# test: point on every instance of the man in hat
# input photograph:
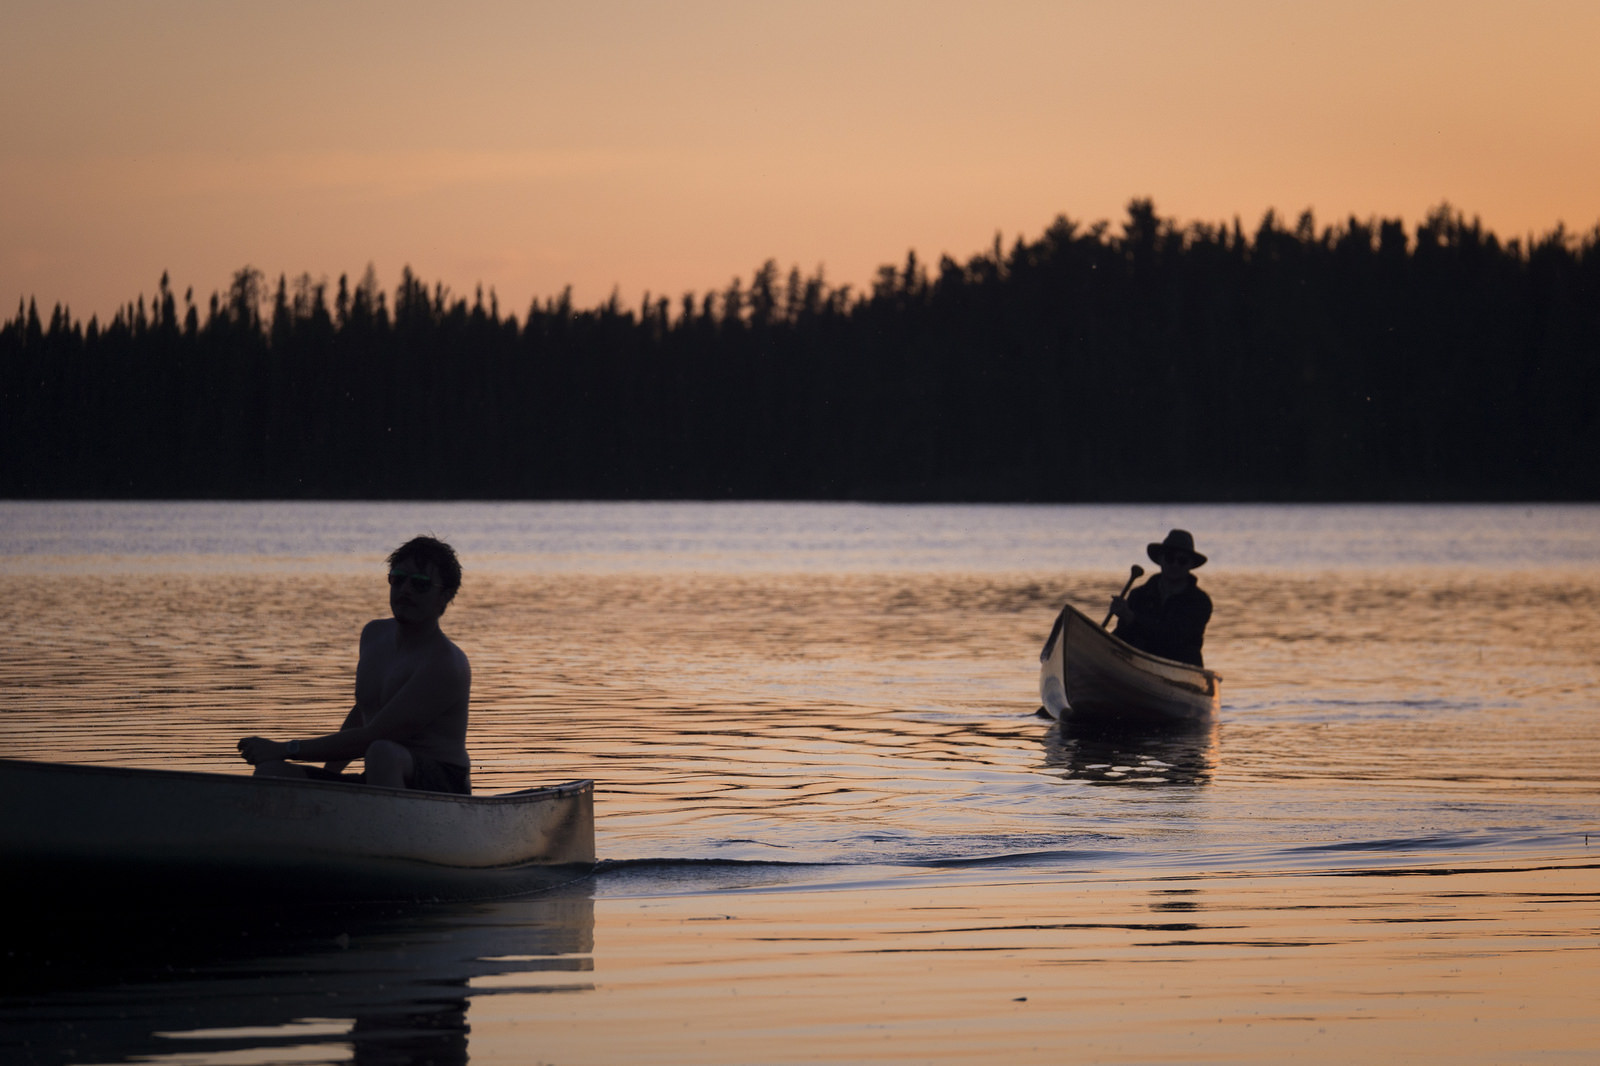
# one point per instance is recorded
(1167, 615)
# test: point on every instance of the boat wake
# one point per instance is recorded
(679, 876)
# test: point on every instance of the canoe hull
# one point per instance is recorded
(1087, 674)
(64, 828)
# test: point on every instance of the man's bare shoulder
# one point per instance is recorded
(452, 658)
(378, 629)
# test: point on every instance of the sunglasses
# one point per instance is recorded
(419, 582)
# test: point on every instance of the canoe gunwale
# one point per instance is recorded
(1090, 626)
(343, 788)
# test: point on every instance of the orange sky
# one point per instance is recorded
(667, 146)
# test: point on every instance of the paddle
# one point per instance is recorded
(1133, 575)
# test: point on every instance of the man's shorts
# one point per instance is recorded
(431, 775)
(427, 775)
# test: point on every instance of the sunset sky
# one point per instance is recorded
(670, 146)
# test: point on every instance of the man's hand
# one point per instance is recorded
(1120, 608)
(256, 750)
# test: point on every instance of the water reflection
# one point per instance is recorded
(1136, 756)
(1175, 899)
(384, 985)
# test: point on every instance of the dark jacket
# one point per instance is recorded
(1174, 628)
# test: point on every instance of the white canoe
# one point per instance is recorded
(121, 830)
(1086, 673)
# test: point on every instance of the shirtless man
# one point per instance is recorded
(409, 722)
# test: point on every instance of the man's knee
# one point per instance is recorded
(388, 763)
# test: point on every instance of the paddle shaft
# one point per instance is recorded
(1134, 574)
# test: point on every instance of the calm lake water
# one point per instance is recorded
(831, 827)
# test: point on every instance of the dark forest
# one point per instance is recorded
(1151, 361)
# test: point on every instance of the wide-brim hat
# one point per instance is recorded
(1179, 540)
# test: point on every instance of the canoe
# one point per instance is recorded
(1086, 673)
(159, 833)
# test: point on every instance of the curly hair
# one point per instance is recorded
(424, 550)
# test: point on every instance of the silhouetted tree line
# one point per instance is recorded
(1164, 362)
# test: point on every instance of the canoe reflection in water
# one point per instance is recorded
(1141, 757)
(379, 984)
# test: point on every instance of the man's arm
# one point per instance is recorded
(351, 721)
(1131, 613)
(438, 685)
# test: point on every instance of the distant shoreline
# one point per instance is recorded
(1166, 363)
